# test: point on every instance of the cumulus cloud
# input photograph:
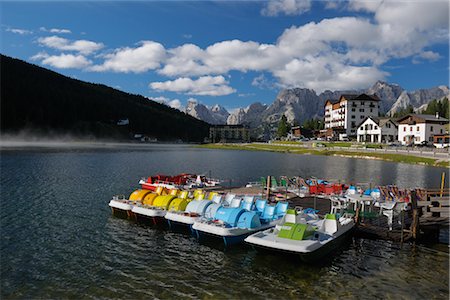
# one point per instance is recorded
(82, 46)
(147, 56)
(174, 103)
(287, 7)
(204, 86)
(55, 30)
(19, 31)
(426, 55)
(334, 53)
(63, 61)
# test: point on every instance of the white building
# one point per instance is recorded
(344, 115)
(377, 130)
(415, 129)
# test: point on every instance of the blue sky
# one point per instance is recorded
(232, 53)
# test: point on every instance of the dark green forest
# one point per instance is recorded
(40, 100)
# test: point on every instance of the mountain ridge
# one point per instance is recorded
(300, 104)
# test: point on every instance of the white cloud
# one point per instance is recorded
(63, 61)
(341, 52)
(55, 30)
(174, 103)
(147, 56)
(82, 46)
(204, 86)
(287, 7)
(426, 55)
(19, 31)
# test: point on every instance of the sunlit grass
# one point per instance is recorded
(400, 158)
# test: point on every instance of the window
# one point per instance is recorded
(361, 117)
(353, 124)
(410, 128)
(441, 131)
(371, 110)
(353, 109)
(417, 138)
(431, 128)
(361, 109)
(430, 139)
(375, 127)
(353, 116)
(388, 125)
(366, 127)
(370, 127)
(418, 128)
(404, 128)
(404, 138)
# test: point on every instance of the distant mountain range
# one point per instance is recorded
(301, 104)
(42, 102)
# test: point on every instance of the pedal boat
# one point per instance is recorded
(154, 210)
(233, 224)
(308, 239)
(121, 206)
(194, 210)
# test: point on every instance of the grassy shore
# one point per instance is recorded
(401, 158)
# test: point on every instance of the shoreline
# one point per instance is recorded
(399, 158)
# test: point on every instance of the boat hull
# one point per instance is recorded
(229, 236)
(148, 215)
(121, 208)
(305, 256)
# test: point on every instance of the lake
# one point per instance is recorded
(59, 239)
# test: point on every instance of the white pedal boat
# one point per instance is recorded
(309, 239)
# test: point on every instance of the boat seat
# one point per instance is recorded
(247, 205)
(217, 199)
(229, 198)
(211, 195)
(236, 202)
(268, 213)
(260, 204)
(330, 224)
(280, 209)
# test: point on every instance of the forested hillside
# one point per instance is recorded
(37, 99)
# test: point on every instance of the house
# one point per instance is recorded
(343, 116)
(417, 128)
(377, 130)
(229, 133)
(297, 133)
(441, 140)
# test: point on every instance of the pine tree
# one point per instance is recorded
(282, 127)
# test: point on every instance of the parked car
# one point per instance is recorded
(425, 144)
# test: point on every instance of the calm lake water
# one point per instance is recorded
(59, 239)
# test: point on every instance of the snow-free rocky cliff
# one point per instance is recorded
(302, 104)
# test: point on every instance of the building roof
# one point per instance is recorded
(422, 118)
(359, 97)
(380, 121)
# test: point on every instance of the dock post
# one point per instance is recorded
(415, 220)
(442, 183)
(269, 181)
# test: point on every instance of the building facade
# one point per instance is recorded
(377, 130)
(344, 116)
(415, 128)
(229, 134)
